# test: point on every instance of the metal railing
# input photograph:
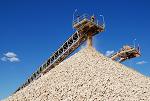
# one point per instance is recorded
(86, 17)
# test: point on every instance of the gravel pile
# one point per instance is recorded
(87, 76)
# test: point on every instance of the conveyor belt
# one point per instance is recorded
(83, 26)
(125, 54)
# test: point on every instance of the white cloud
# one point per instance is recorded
(14, 59)
(141, 62)
(10, 54)
(108, 53)
(4, 59)
(11, 57)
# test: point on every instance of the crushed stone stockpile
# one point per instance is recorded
(87, 76)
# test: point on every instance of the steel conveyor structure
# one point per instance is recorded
(127, 52)
(84, 25)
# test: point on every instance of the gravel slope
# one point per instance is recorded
(87, 76)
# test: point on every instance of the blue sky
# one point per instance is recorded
(31, 30)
